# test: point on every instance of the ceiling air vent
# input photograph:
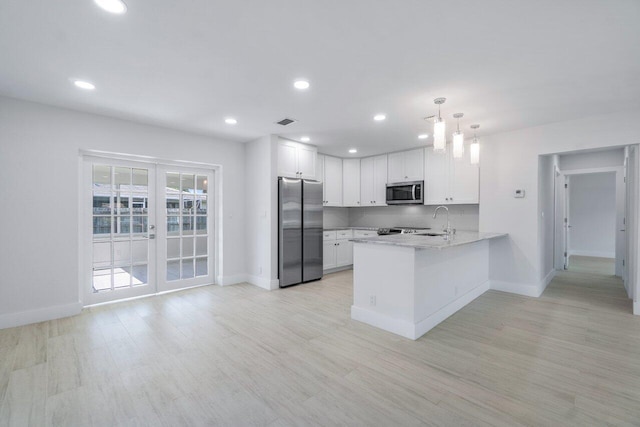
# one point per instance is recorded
(285, 122)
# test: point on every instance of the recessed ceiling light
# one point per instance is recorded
(84, 85)
(353, 151)
(423, 136)
(113, 6)
(230, 121)
(301, 84)
(379, 117)
(305, 139)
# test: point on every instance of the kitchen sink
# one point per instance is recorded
(430, 234)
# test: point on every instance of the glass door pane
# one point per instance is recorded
(186, 233)
(121, 246)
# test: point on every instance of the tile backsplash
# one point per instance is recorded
(462, 217)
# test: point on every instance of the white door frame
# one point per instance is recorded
(621, 196)
(84, 214)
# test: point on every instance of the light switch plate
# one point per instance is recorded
(518, 194)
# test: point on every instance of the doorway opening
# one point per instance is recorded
(592, 216)
(149, 228)
(589, 216)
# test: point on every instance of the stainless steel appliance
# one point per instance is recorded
(405, 193)
(402, 230)
(300, 231)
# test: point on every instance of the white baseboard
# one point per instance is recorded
(441, 315)
(636, 308)
(400, 327)
(547, 279)
(232, 280)
(596, 254)
(11, 320)
(411, 330)
(516, 288)
(263, 282)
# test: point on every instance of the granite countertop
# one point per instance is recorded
(351, 228)
(429, 242)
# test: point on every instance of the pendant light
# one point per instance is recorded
(439, 137)
(458, 139)
(474, 148)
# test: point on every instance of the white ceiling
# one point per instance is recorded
(189, 64)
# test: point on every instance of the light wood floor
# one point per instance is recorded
(240, 356)
(593, 265)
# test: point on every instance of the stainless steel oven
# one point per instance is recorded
(405, 193)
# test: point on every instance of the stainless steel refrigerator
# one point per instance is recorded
(300, 231)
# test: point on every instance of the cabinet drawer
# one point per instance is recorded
(344, 234)
(364, 233)
(329, 235)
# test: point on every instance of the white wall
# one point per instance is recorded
(462, 217)
(592, 159)
(333, 217)
(261, 239)
(546, 210)
(39, 183)
(510, 161)
(592, 215)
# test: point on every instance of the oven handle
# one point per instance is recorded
(413, 192)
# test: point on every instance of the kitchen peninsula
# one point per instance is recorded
(409, 283)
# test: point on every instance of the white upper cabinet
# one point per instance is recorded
(332, 181)
(307, 156)
(436, 182)
(449, 180)
(351, 182)
(296, 160)
(320, 168)
(464, 180)
(373, 181)
(406, 166)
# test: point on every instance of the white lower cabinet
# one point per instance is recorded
(338, 250)
(329, 255)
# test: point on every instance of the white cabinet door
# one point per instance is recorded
(320, 176)
(329, 255)
(380, 180)
(344, 253)
(414, 165)
(436, 182)
(287, 159)
(320, 167)
(464, 180)
(307, 161)
(367, 181)
(395, 172)
(333, 181)
(351, 182)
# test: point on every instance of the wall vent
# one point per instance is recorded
(286, 121)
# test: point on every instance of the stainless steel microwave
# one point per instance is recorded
(405, 193)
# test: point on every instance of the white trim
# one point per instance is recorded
(547, 279)
(636, 308)
(596, 254)
(147, 159)
(232, 280)
(263, 283)
(441, 315)
(11, 320)
(516, 288)
(414, 331)
(400, 327)
(337, 269)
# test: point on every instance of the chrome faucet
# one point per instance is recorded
(447, 229)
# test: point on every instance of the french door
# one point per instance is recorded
(149, 229)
